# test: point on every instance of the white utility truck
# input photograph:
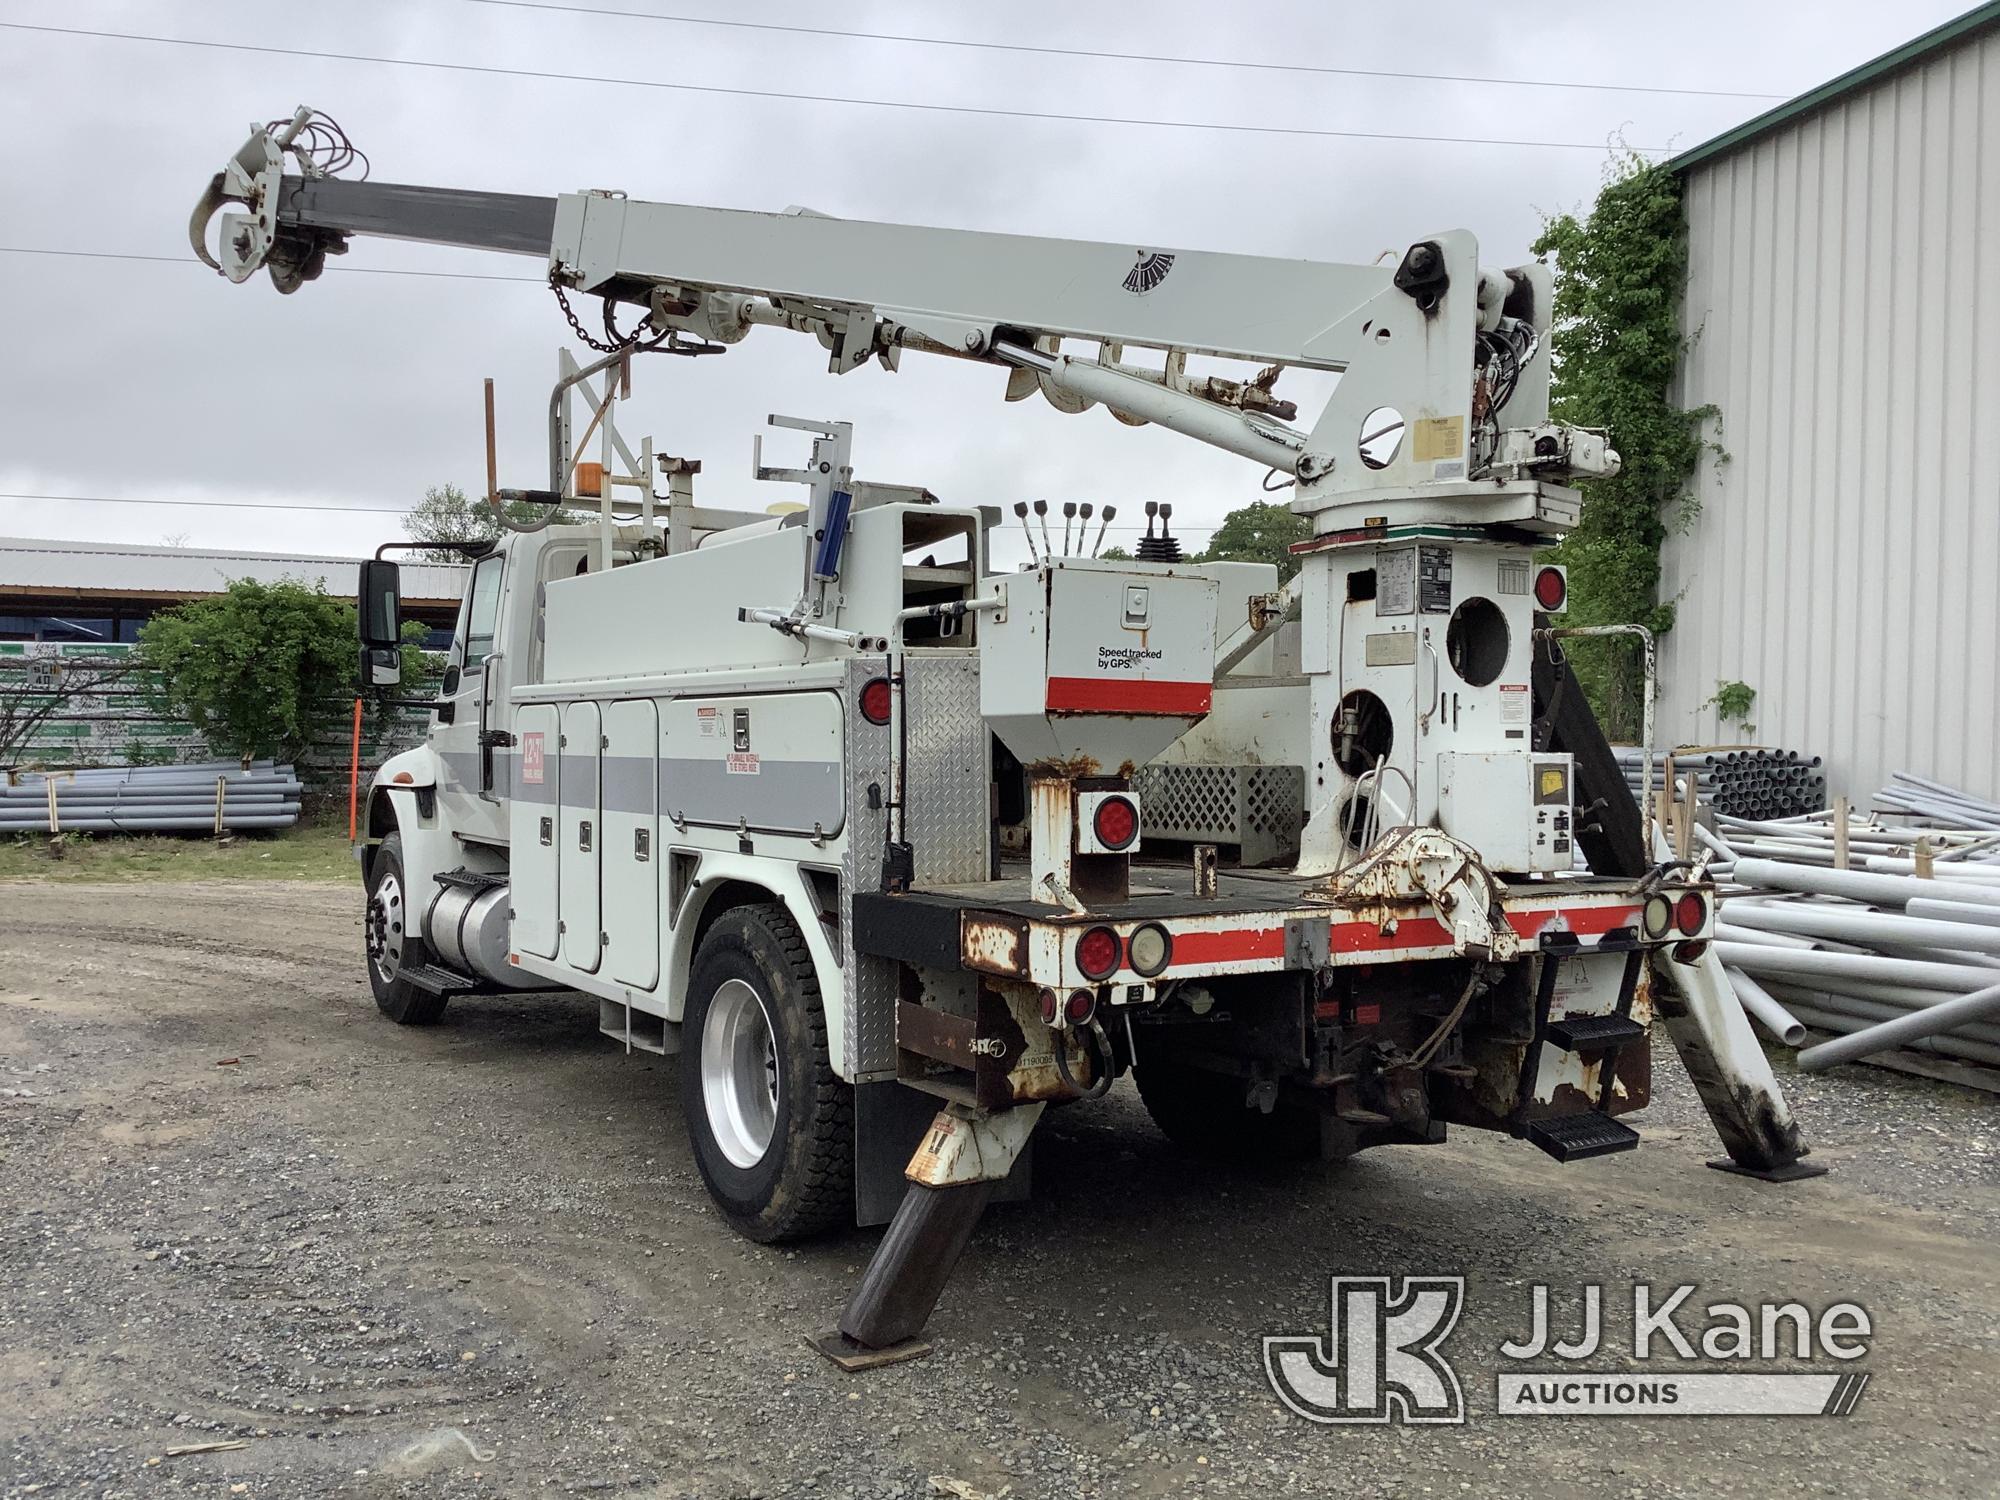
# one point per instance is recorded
(897, 851)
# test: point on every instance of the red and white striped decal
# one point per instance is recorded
(1199, 948)
(1114, 695)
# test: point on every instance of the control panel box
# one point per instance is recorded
(1513, 807)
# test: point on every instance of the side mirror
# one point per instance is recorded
(380, 599)
(381, 668)
(379, 607)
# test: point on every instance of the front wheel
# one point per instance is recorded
(394, 948)
(771, 1123)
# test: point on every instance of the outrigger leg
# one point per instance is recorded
(1729, 1071)
(964, 1157)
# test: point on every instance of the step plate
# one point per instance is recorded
(1574, 1137)
(439, 980)
(1593, 1033)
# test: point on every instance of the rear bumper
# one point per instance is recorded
(990, 930)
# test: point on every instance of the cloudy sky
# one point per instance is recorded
(154, 380)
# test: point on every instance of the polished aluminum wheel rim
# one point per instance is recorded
(384, 926)
(739, 1073)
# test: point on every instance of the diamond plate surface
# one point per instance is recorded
(867, 986)
(947, 822)
(948, 781)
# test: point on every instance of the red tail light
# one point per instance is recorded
(876, 701)
(1551, 589)
(1098, 952)
(1080, 1006)
(1051, 1006)
(1116, 823)
(1689, 913)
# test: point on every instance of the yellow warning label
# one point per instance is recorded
(1552, 783)
(1433, 438)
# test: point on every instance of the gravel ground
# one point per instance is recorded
(236, 1204)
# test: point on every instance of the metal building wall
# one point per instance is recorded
(1844, 295)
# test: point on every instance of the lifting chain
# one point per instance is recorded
(667, 341)
(617, 341)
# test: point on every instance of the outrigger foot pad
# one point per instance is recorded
(854, 1358)
(1791, 1171)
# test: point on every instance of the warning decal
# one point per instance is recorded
(1513, 703)
(744, 763)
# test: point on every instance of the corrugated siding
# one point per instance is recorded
(1844, 294)
(111, 567)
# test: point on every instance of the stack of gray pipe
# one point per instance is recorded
(154, 799)
(1749, 782)
(1936, 801)
(1880, 959)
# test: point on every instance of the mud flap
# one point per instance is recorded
(890, 1119)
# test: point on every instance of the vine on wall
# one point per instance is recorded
(1620, 270)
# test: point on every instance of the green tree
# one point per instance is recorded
(265, 668)
(1619, 274)
(448, 514)
(1259, 532)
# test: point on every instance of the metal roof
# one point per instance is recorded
(1907, 55)
(128, 570)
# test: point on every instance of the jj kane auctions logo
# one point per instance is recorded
(1382, 1359)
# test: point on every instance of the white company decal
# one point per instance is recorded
(532, 760)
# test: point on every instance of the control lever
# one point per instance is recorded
(1098, 545)
(1021, 512)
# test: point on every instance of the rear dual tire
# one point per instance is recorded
(771, 1123)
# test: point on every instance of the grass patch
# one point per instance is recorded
(307, 851)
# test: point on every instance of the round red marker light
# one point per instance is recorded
(876, 701)
(1116, 822)
(1689, 913)
(1080, 1006)
(1551, 589)
(1098, 952)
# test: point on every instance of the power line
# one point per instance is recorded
(790, 97)
(1320, 70)
(188, 260)
(378, 510)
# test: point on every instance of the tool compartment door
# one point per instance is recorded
(764, 763)
(580, 838)
(531, 857)
(630, 785)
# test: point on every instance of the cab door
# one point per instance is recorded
(580, 825)
(472, 703)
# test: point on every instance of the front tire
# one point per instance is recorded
(394, 948)
(771, 1123)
